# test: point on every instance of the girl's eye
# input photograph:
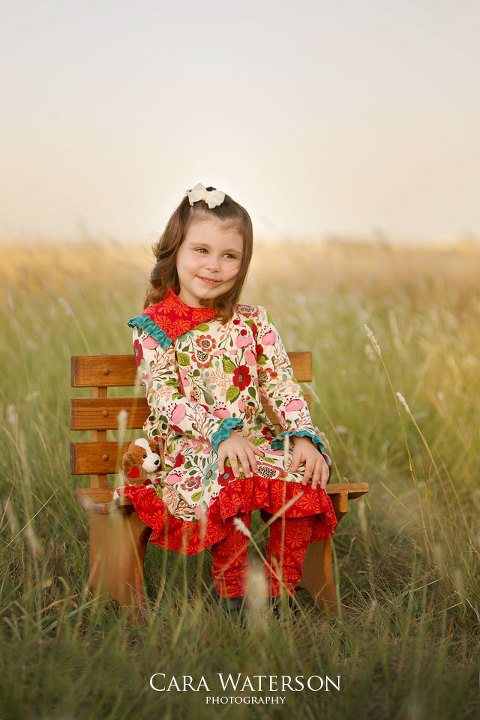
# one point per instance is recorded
(202, 251)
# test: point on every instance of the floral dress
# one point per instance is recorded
(202, 383)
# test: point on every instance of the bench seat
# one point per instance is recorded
(118, 537)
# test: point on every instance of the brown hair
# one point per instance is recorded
(164, 274)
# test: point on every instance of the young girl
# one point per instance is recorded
(205, 362)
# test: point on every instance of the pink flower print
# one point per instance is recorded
(173, 479)
(183, 377)
(206, 343)
(250, 357)
(242, 342)
(190, 444)
(150, 343)
(293, 405)
(147, 382)
(222, 413)
(241, 406)
(269, 338)
(178, 413)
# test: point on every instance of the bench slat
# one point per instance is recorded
(96, 458)
(121, 371)
(102, 413)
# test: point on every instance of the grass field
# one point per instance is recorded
(380, 321)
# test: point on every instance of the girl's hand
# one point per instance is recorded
(304, 451)
(238, 448)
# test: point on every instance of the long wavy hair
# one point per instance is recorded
(164, 274)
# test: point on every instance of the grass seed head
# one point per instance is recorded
(241, 527)
(373, 340)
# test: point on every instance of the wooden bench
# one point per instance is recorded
(118, 537)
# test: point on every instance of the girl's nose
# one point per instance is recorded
(211, 264)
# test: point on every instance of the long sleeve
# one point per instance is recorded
(170, 410)
(278, 385)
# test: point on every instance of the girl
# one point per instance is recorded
(205, 362)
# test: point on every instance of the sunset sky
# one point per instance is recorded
(349, 118)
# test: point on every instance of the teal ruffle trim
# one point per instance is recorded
(144, 323)
(228, 424)
(277, 442)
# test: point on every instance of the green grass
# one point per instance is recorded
(406, 643)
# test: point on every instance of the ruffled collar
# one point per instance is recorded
(171, 317)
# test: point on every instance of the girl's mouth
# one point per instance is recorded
(208, 281)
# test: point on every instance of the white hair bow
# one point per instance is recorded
(211, 197)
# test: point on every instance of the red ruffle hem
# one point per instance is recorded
(240, 495)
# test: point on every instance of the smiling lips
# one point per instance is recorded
(208, 281)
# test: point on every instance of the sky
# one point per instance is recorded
(355, 118)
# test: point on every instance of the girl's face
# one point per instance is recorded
(208, 260)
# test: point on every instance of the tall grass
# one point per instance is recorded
(398, 401)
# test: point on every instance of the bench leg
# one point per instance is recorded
(317, 575)
(117, 551)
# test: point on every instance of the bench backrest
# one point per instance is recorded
(102, 456)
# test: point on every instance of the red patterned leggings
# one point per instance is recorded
(284, 562)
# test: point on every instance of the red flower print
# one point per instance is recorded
(225, 477)
(264, 376)
(266, 432)
(179, 460)
(241, 377)
(259, 350)
(202, 359)
(137, 351)
(206, 343)
(191, 484)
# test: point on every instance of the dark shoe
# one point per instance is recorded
(235, 607)
(284, 608)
